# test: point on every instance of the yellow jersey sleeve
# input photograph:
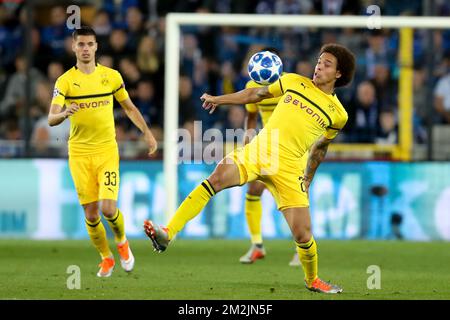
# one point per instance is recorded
(60, 91)
(332, 131)
(276, 88)
(119, 91)
(251, 107)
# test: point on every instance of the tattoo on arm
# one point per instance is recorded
(316, 156)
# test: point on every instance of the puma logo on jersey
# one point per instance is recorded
(76, 84)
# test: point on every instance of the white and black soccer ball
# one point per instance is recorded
(265, 67)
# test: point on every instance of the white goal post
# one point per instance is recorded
(172, 62)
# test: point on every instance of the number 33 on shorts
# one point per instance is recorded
(109, 186)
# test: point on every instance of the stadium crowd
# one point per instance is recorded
(131, 35)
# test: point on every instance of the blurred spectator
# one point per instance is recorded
(442, 94)
(206, 37)
(206, 79)
(234, 124)
(102, 27)
(387, 133)
(293, 7)
(186, 104)
(12, 34)
(131, 75)
(68, 58)
(443, 8)
(147, 58)
(117, 47)
(265, 7)
(135, 27)
(54, 34)
(10, 129)
(362, 125)
(376, 53)
(402, 7)
(352, 38)
(336, 7)
(385, 86)
(190, 53)
(41, 53)
(228, 47)
(421, 107)
(40, 105)
(14, 96)
(439, 52)
(117, 9)
(54, 70)
(106, 61)
(147, 103)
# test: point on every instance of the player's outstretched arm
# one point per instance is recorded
(136, 117)
(248, 95)
(316, 155)
(58, 114)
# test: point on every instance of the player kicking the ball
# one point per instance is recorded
(307, 117)
(84, 94)
(253, 205)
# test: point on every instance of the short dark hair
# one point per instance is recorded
(345, 62)
(84, 31)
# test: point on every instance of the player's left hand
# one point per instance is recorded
(151, 143)
(208, 103)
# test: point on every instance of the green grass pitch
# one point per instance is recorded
(209, 269)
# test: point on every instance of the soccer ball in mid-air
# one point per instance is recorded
(265, 67)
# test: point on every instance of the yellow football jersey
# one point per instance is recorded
(92, 126)
(264, 107)
(302, 115)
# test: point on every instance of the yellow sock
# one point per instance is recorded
(117, 226)
(253, 213)
(307, 253)
(97, 233)
(190, 207)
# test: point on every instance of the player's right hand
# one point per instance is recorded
(71, 109)
(208, 103)
(151, 143)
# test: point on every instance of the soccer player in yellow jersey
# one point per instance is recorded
(308, 116)
(84, 94)
(253, 206)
